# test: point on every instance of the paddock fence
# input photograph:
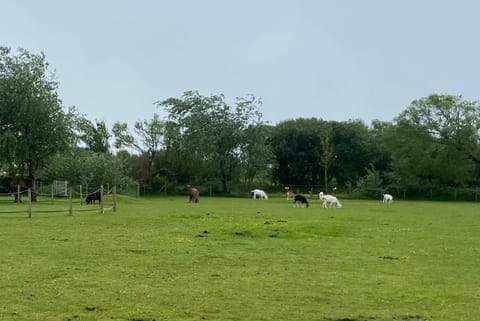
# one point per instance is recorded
(32, 202)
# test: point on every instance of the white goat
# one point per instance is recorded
(387, 198)
(258, 194)
(329, 201)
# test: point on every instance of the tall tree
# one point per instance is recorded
(354, 149)
(148, 141)
(257, 158)
(435, 141)
(298, 149)
(327, 155)
(33, 124)
(95, 135)
(212, 131)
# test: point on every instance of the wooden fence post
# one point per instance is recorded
(114, 196)
(102, 210)
(29, 203)
(70, 201)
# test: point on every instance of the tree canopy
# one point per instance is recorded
(33, 123)
(213, 134)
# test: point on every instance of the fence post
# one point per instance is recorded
(18, 193)
(81, 195)
(51, 193)
(70, 201)
(114, 196)
(29, 203)
(102, 210)
(138, 189)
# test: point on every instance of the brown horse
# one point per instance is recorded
(194, 195)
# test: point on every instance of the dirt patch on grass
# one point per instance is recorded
(203, 234)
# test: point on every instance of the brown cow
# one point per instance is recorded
(194, 195)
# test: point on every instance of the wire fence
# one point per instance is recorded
(32, 202)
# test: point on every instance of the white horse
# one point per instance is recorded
(258, 194)
(329, 201)
(387, 198)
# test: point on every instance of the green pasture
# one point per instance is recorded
(241, 259)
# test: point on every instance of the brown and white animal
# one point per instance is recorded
(329, 201)
(258, 194)
(194, 195)
(300, 201)
(387, 198)
(290, 195)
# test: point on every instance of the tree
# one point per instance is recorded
(434, 142)
(212, 132)
(86, 167)
(371, 184)
(298, 149)
(327, 154)
(33, 124)
(148, 141)
(355, 149)
(95, 136)
(256, 155)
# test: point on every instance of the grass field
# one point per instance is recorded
(240, 259)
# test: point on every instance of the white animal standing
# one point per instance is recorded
(387, 198)
(290, 195)
(258, 194)
(329, 201)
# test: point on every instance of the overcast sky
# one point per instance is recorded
(335, 60)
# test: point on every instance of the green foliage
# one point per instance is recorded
(85, 167)
(371, 184)
(95, 136)
(297, 148)
(33, 125)
(304, 148)
(256, 155)
(434, 142)
(147, 142)
(238, 259)
(355, 149)
(216, 138)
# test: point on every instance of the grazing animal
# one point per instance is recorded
(194, 195)
(290, 195)
(329, 201)
(300, 200)
(92, 197)
(387, 198)
(258, 194)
